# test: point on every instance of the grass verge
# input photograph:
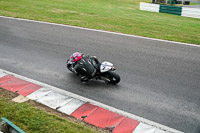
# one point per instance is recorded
(194, 3)
(112, 15)
(33, 117)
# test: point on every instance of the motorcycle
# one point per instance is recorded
(105, 73)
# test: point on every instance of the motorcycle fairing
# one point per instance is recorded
(106, 66)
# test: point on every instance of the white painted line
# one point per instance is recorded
(54, 99)
(71, 106)
(39, 93)
(144, 128)
(2, 74)
(132, 116)
(160, 131)
(116, 33)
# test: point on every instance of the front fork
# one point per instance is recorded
(105, 79)
(100, 77)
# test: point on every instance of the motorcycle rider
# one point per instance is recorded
(85, 65)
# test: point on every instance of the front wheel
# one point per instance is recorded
(113, 77)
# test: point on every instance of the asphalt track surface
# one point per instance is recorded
(160, 80)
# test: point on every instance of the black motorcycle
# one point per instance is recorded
(102, 71)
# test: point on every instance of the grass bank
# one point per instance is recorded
(194, 3)
(36, 118)
(112, 15)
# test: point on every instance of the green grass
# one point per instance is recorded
(34, 120)
(112, 15)
(194, 3)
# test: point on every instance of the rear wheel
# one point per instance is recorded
(113, 77)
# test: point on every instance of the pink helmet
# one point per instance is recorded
(76, 56)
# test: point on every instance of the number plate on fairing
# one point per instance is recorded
(106, 66)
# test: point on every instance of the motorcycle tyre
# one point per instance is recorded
(113, 77)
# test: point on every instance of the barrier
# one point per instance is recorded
(181, 11)
(149, 7)
(190, 12)
(10, 127)
(170, 9)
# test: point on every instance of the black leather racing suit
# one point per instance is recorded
(86, 67)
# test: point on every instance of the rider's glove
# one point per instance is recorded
(84, 79)
(73, 70)
(70, 66)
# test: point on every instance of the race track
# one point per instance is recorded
(160, 80)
